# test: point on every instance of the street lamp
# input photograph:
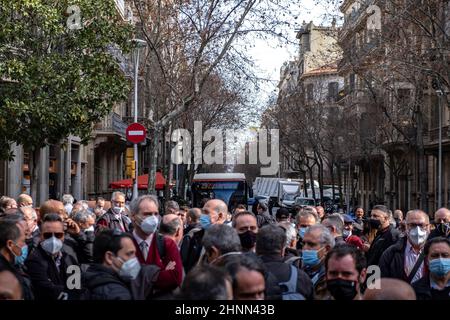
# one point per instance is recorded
(139, 43)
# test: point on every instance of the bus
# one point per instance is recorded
(232, 188)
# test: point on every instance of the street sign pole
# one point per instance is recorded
(136, 133)
(136, 158)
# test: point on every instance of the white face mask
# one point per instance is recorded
(150, 224)
(52, 245)
(130, 268)
(118, 210)
(417, 236)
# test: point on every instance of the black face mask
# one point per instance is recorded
(342, 289)
(248, 239)
(443, 228)
(374, 223)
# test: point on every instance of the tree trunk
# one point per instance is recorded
(311, 181)
(332, 181)
(423, 178)
(304, 183)
(320, 163)
(341, 196)
(153, 161)
(34, 172)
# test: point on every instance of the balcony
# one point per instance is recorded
(432, 136)
(112, 125)
(355, 18)
(124, 62)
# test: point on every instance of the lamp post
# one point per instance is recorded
(138, 45)
(439, 201)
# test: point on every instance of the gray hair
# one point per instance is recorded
(194, 214)
(307, 211)
(117, 193)
(222, 237)
(81, 216)
(67, 199)
(410, 212)
(383, 209)
(325, 235)
(271, 239)
(171, 227)
(336, 220)
(31, 210)
(171, 204)
(291, 233)
(134, 205)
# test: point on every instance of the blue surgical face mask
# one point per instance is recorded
(301, 232)
(440, 267)
(310, 257)
(20, 260)
(205, 221)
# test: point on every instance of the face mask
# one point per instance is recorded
(417, 236)
(440, 267)
(346, 233)
(20, 260)
(443, 228)
(301, 232)
(118, 210)
(310, 257)
(149, 225)
(130, 268)
(248, 239)
(205, 221)
(91, 228)
(52, 245)
(342, 289)
(374, 223)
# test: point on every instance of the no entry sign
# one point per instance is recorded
(136, 133)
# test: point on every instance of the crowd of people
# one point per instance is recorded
(140, 251)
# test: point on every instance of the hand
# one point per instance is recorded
(171, 265)
(72, 227)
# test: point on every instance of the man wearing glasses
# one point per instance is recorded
(404, 260)
(48, 264)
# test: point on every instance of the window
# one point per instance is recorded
(306, 42)
(333, 88)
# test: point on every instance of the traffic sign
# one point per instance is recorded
(136, 133)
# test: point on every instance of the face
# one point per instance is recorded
(250, 285)
(209, 209)
(311, 241)
(10, 288)
(127, 252)
(359, 213)
(306, 221)
(439, 250)
(54, 228)
(442, 217)
(100, 203)
(182, 215)
(320, 211)
(344, 268)
(381, 216)
(417, 219)
(12, 204)
(147, 208)
(118, 201)
(348, 226)
(246, 222)
(16, 246)
(29, 219)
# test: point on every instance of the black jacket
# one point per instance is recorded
(49, 281)
(104, 284)
(33, 242)
(424, 291)
(23, 279)
(191, 248)
(383, 240)
(392, 261)
(436, 233)
(281, 271)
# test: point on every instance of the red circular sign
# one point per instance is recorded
(136, 133)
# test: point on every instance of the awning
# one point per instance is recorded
(142, 182)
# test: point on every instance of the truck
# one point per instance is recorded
(281, 191)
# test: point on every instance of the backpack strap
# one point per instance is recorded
(292, 260)
(416, 267)
(291, 284)
(160, 243)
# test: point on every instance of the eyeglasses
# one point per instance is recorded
(414, 225)
(48, 235)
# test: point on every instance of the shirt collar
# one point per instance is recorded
(410, 249)
(139, 239)
(434, 285)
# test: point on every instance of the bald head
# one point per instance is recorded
(390, 289)
(417, 215)
(217, 210)
(53, 206)
(172, 226)
(24, 200)
(442, 216)
(10, 288)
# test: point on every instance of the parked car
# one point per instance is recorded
(303, 202)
